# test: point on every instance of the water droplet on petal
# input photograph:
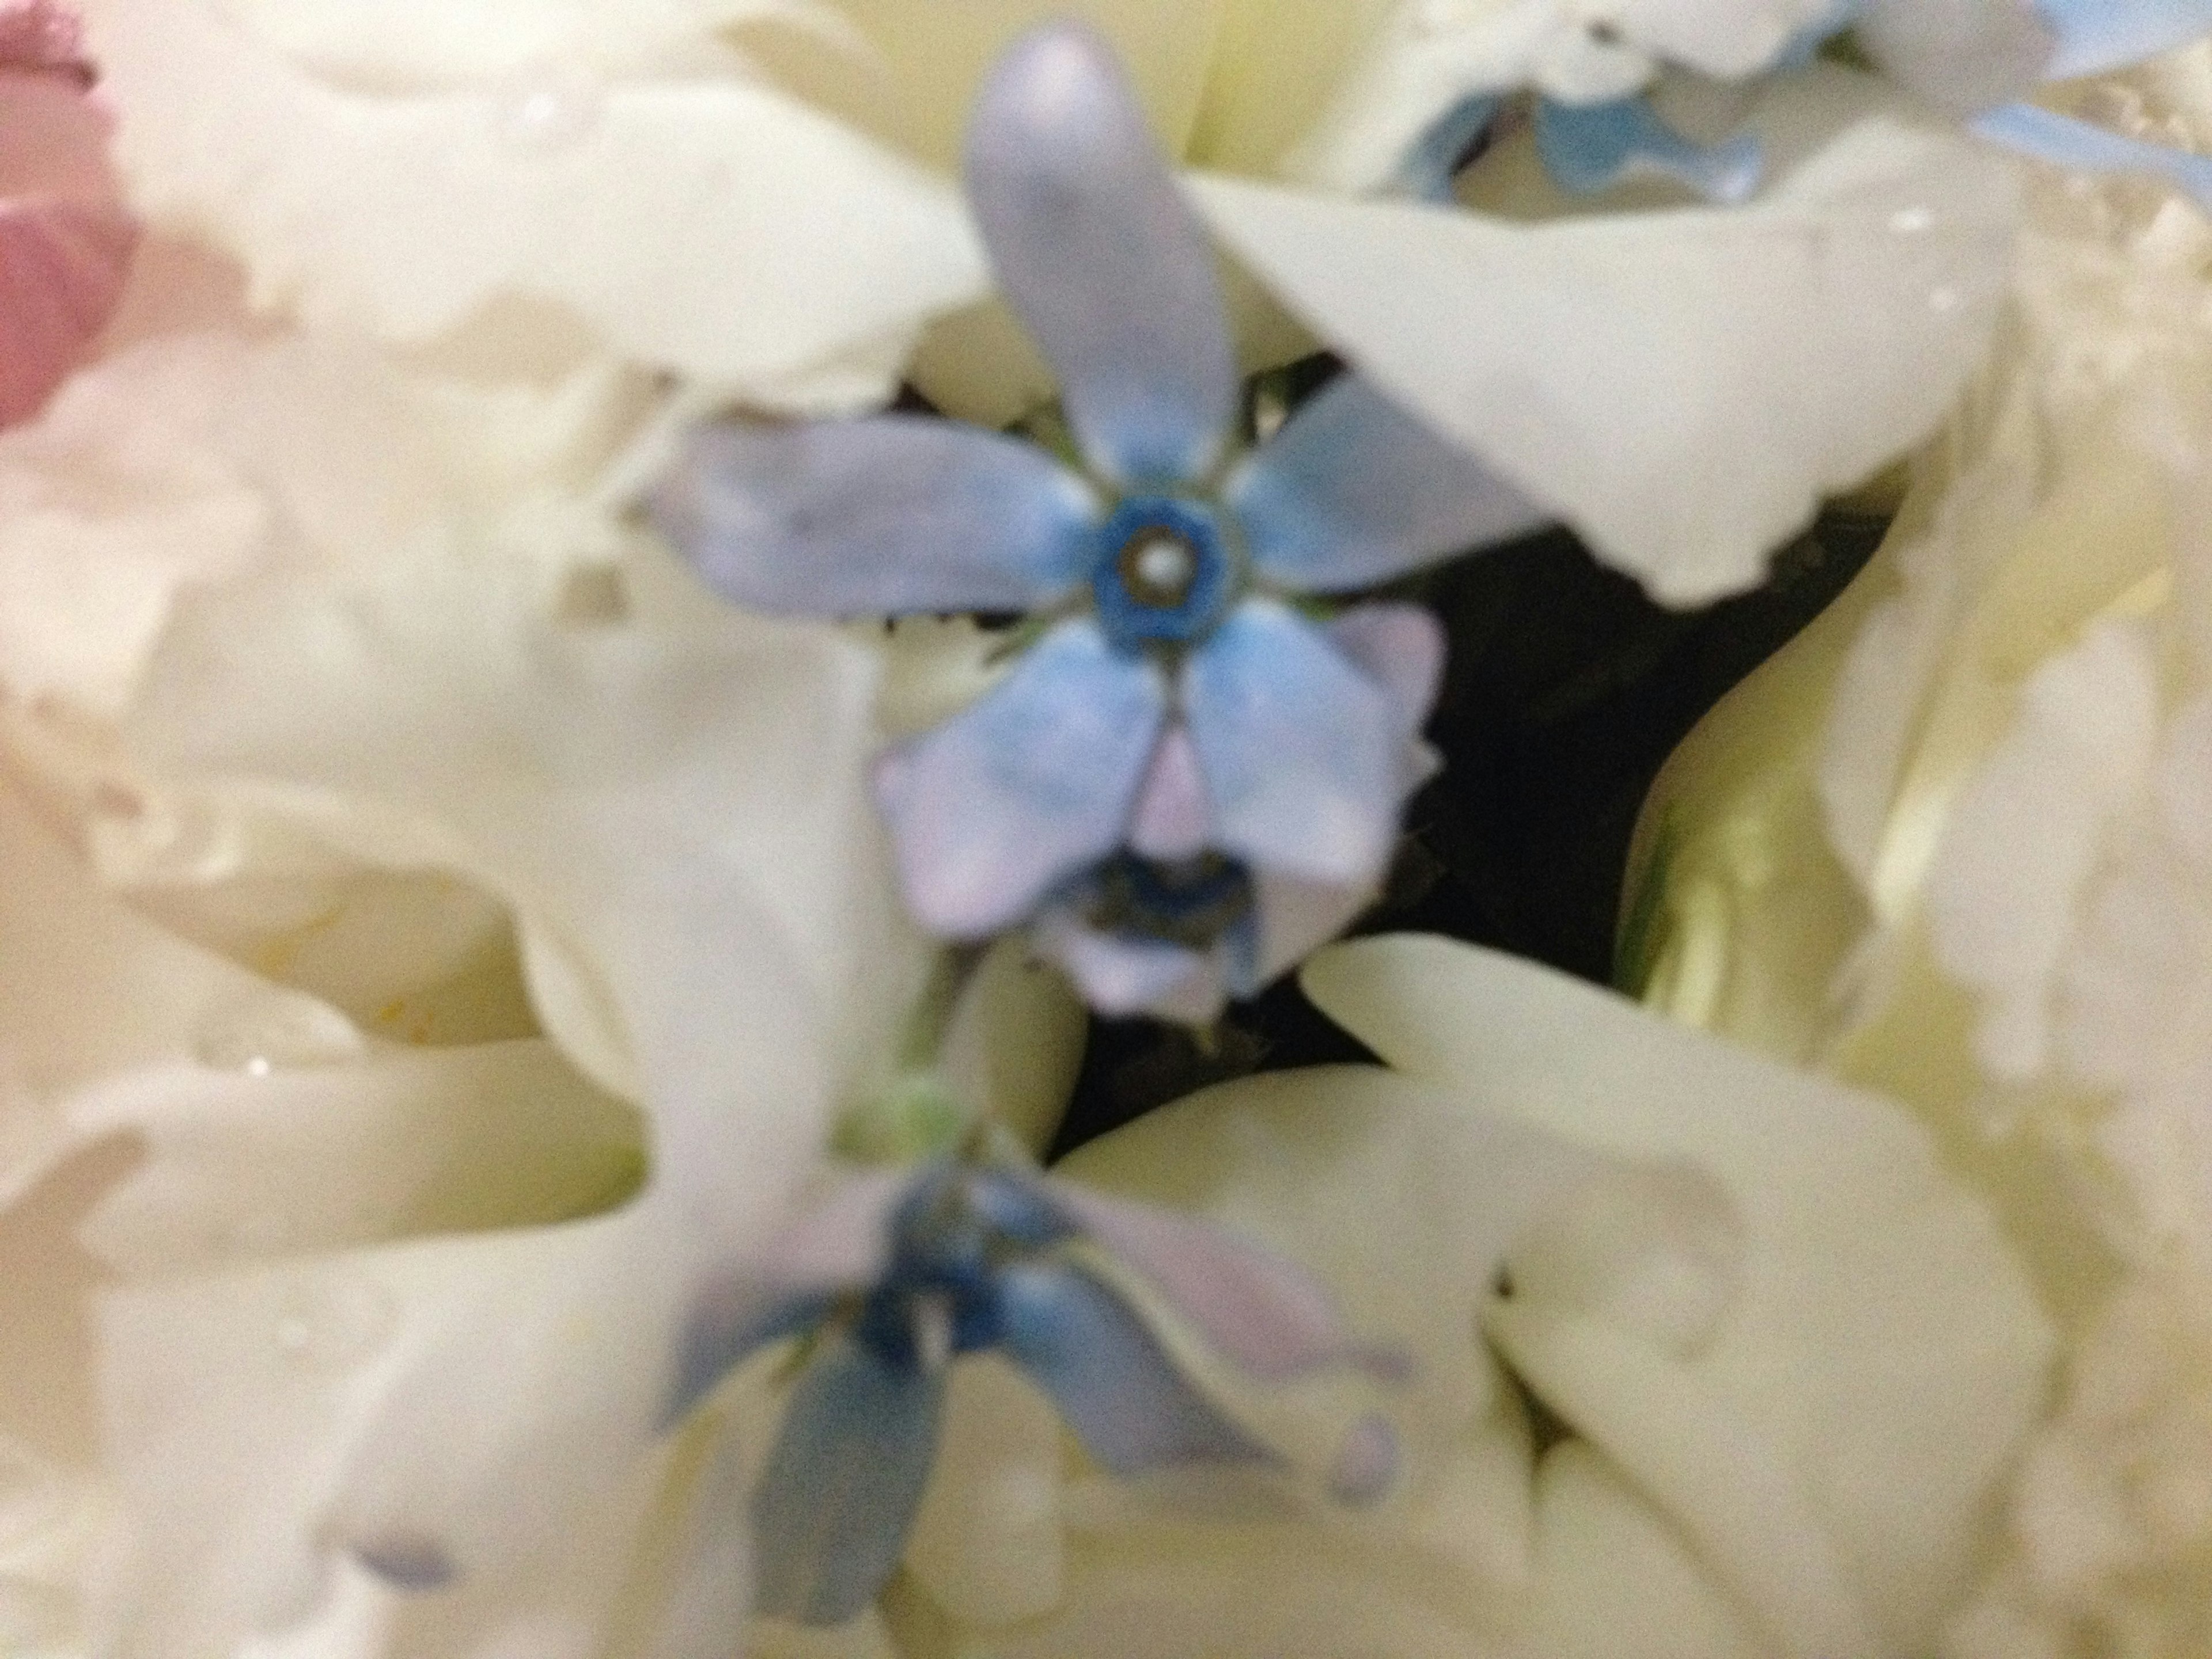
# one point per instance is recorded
(334, 1326)
(549, 107)
(1943, 301)
(272, 1032)
(1912, 221)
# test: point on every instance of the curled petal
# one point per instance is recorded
(1102, 258)
(884, 516)
(1353, 491)
(1593, 147)
(2049, 136)
(1032, 783)
(62, 266)
(1302, 751)
(1960, 54)
(835, 1504)
(1274, 1319)
(2095, 36)
(1109, 1377)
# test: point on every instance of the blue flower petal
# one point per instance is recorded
(833, 1506)
(720, 1335)
(1353, 491)
(876, 517)
(1435, 160)
(1102, 258)
(1592, 147)
(1109, 1375)
(1120, 977)
(2098, 35)
(2052, 137)
(1036, 780)
(842, 1244)
(1304, 754)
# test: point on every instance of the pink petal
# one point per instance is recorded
(36, 34)
(62, 266)
(1270, 1317)
(1172, 820)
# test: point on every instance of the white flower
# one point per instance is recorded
(1952, 843)
(1789, 1356)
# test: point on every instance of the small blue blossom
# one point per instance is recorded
(1178, 707)
(899, 1275)
(1977, 59)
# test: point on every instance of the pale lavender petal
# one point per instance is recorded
(1122, 977)
(1961, 55)
(1401, 648)
(1268, 1314)
(1109, 1375)
(1297, 918)
(2048, 136)
(2095, 36)
(838, 1497)
(1353, 491)
(1102, 258)
(1172, 820)
(1031, 784)
(876, 517)
(1303, 753)
(1366, 1465)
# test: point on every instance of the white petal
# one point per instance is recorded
(2006, 889)
(1601, 364)
(1884, 1349)
(677, 217)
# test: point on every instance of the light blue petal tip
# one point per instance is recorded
(2095, 36)
(1109, 1375)
(1102, 258)
(1592, 147)
(1440, 153)
(2061, 139)
(833, 1507)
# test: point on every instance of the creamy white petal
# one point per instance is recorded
(677, 217)
(1884, 1349)
(1602, 363)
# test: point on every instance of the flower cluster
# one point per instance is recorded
(618, 620)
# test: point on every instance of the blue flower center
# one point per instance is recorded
(953, 1236)
(1189, 902)
(1164, 574)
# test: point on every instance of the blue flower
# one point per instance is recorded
(1179, 707)
(1977, 60)
(900, 1275)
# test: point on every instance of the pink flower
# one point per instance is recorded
(65, 238)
